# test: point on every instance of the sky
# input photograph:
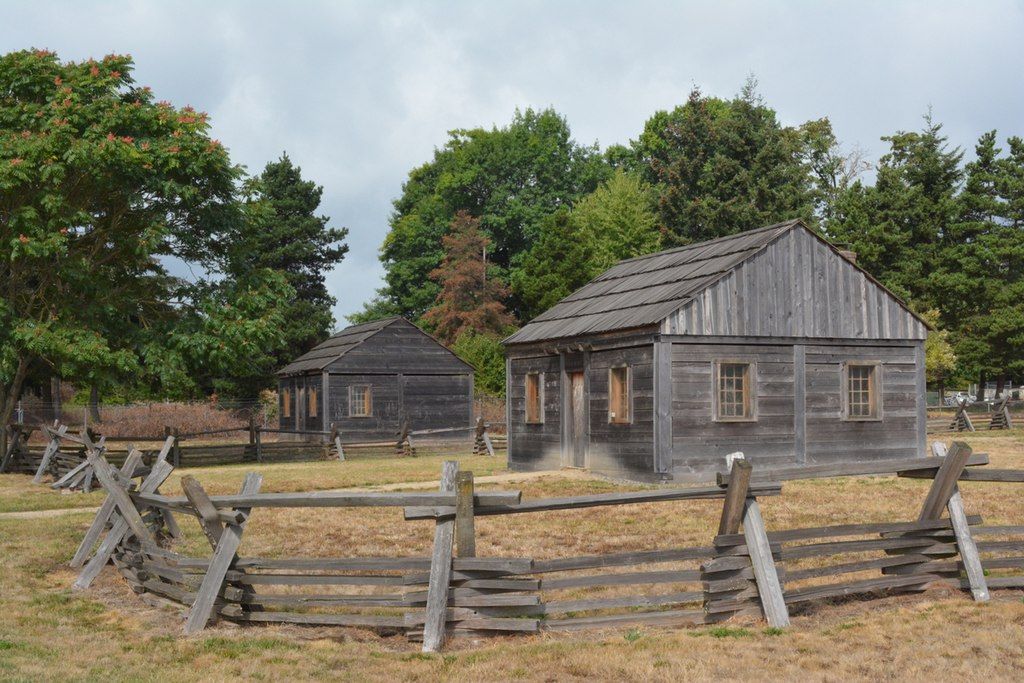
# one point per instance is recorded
(359, 93)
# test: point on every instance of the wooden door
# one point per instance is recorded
(577, 420)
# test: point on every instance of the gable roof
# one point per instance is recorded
(641, 292)
(336, 346)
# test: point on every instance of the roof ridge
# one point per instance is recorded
(715, 240)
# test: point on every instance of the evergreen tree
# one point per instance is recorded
(470, 298)
(725, 166)
(898, 225)
(560, 261)
(283, 232)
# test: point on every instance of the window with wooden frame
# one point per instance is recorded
(862, 395)
(620, 396)
(286, 403)
(312, 402)
(734, 392)
(360, 400)
(534, 398)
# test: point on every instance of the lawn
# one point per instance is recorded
(48, 632)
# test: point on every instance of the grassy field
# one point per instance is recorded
(48, 632)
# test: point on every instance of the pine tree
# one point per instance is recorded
(283, 232)
(470, 298)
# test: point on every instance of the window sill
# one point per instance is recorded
(862, 419)
(735, 419)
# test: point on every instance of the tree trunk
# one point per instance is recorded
(94, 404)
(982, 381)
(1000, 385)
(942, 391)
(58, 404)
(12, 393)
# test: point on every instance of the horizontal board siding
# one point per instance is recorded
(796, 287)
(534, 446)
(699, 443)
(383, 424)
(626, 449)
(437, 401)
(830, 438)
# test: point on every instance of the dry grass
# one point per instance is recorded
(48, 633)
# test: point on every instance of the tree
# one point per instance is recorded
(283, 232)
(618, 221)
(98, 180)
(939, 358)
(487, 356)
(509, 178)
(470, 299)
(95, 179)
(725, 166)
(558, 263)
(896, 227)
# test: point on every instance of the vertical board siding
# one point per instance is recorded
(796, 287)
(534, 446)
(622, 448)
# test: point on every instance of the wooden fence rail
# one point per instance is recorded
(747, 569)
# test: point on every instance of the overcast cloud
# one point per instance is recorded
(359, 93)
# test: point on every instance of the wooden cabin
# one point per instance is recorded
(367, 379)
(772, 342)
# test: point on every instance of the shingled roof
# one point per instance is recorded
(335, 346)
(642, 291)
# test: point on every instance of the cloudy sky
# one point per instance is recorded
(358, 93)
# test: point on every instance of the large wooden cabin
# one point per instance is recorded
(772, 342)
(367, 379)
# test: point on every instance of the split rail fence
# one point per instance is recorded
(745, 569)
(64, 450)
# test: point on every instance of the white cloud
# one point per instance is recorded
(359, 93)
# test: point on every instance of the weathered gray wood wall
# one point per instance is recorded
(623, 449)
(535, 446)
(400, 347)
(797, 287)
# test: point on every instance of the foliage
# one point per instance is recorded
(896, 225)
(282, 232)
(722, 167)
(939, 358)
(510, 178)
(559, 262)
(618, 220)
(487, 356)
(470, 298)
(98, 180)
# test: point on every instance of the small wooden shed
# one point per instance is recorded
(772, 342)
(367, 379)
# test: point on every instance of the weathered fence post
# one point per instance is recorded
(336, 440)
(735, 496)
(51, 450)
(229, 538)
(440, 568)
(258, 431)
(773, 603)
(964, 540)
(465, 525)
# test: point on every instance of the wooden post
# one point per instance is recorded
(259, 443)
(964, 540)
(465, 526)
(945, 481)
(176, 449)
(120, 528)
(51, 450)
(103, 516)
(773, 603)
(224, 555)
(440, 569)
(209, 518)
(735, 496)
